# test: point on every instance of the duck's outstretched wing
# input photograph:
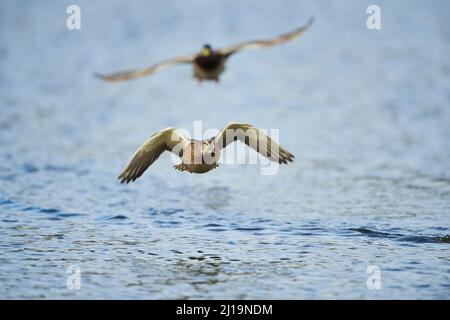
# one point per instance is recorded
(134, 74)
(255, 139)
(165, 140)
(256, 44)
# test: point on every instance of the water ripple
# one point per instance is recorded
(165, 212)
(402, 237)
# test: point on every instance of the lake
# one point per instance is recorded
(362, 213)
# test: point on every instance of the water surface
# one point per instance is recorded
(366, 114)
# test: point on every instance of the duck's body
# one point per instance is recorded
(208, 64)
(201, 156)
(209, 67)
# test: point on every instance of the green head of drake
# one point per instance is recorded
(207, 50)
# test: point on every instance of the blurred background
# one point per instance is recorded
(365, 112)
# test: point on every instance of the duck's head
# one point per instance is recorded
(207, 50)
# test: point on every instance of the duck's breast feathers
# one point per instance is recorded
(209, 63)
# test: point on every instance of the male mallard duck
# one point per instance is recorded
(209, 63)
(200, 156)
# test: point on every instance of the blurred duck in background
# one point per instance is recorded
(209, 64)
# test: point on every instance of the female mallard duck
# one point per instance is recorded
(200, 156)
(209, 63)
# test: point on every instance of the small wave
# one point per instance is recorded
(214, 227)
(249, 229)
(4, 201)
(303, 230)
(71, 215)
(373, 233)
(51, 210)
(425, 239)
(50, 167)
(30, 168)
(261, 220)
(8, 177)
(166, 212)
(42, 210)
(209, 225)
(114, 219)
(30, 209)
(117, 217)
(440, 228)
(167, 224)
(402, 237)
(53, 213)
(56, 168)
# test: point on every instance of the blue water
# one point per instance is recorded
(366, 113)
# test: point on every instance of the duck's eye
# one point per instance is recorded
(213, 154)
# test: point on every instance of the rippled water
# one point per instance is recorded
(365, 112)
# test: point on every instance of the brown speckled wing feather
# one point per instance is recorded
(256, 44)
(255, 139)
(165, 140)
(134, 74)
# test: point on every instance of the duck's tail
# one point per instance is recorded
(203, 169)
(180, 167)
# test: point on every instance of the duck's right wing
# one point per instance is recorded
(255, 139)
(257, 44)
(165, 140)
(134, 74)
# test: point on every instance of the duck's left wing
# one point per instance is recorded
(165, 140)
(256, 44)
(134, 74)
(255, 139)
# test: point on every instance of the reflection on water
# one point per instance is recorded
(365, 114)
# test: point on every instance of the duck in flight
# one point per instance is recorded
(209, 64)
(200, 156)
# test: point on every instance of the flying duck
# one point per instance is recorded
(200, 156)
(209, 63)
